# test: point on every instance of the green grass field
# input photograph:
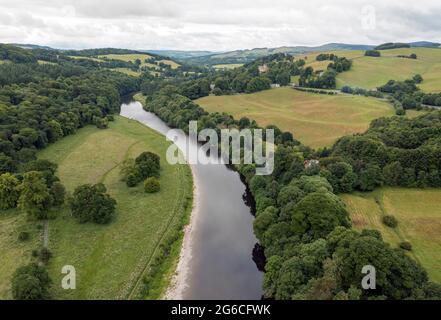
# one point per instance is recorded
(86, 58)
(314, 119)
(228, 66)
(142, 57)
(370, 72)
(418, 215)
(171, 63)
(127, 57)
(13, 252)
(109, 260)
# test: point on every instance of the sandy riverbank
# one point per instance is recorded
(179, 281)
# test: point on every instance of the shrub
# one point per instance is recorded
(132, 180)
(406, 245)
(23, 236)
(400, 111)
(152, 185)
(45, 255)
(390, 221)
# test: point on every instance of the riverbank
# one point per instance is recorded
(179, 281)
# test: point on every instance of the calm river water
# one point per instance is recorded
(222, 241)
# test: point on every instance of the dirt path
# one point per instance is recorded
(45, 234)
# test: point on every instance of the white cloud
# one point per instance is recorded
(213, 25)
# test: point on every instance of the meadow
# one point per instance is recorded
(227, 66)
(371, 72)
(418, 215)
(316, 120)
(110, 260)
(141, 56)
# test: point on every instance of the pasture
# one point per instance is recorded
(110, 260)
(371, 72)
(418, 215)
(316, 120)
(228, 66)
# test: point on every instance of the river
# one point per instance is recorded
(222, 239)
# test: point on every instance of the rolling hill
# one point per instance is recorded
(314, 119)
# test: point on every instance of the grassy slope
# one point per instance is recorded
(316, 120)
(108, 259)
(14, 253)
(171, 63)
(418, 215)
(228, 66)
(142, 57)
(370, 72)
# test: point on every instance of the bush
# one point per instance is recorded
(406, 245)
(400, 111)
(152, 185)
(133, 179)
(23, 236)
(45, 255)
(390, 221)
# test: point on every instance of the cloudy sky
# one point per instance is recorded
(216, 25)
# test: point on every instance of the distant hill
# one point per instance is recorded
(179, 54)
(244, 56)
(31, 46)
(427, 44)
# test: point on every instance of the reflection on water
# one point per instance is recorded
(223, 243)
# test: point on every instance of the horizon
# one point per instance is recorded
(218, 52)
(220, 27)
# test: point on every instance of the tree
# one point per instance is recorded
(152, 185)
(7, 164)
(397, 275)
(148, 164)
(370, 177)
(258, 84)
(9, 192)
(130, 173)
(90, 203)
(318, 213)
(58, 193)
(264, 220)
(341, 177)
(289, 193)
(372, 53)
(31, 282)
(417, 78)
(35, 198)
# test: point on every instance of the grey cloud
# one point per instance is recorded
(213, 25)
